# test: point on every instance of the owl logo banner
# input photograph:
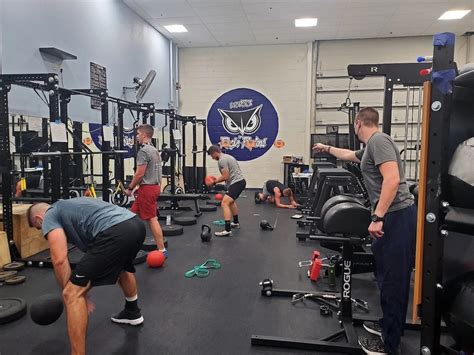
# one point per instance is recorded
(244, 123)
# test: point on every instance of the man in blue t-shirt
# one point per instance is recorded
(110, 236)
(393, 227)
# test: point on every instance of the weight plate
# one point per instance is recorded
(5, 275)
(213, 203)
(149, 244)
(16, 265)
(15, 280)
(172, 230)
(140, 258)
(11, 309)
(185, 221)
(208, 208)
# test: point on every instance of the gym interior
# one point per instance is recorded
(278, 92)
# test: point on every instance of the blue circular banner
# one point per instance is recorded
(244, 123)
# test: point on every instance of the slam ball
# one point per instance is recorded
(209, 180)
(155, 259)
(46, 309)
(219, 197)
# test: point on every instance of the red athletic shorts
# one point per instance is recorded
(145, 202)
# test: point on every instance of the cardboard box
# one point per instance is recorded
(28, 241)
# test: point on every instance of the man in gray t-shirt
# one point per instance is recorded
(110, 236)
(235, 184)
(393, 226)
(148, 177)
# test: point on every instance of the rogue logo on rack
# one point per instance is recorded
(244, 123)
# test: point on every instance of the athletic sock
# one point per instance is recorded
(227, 226)
(236, 218)
(131, 304)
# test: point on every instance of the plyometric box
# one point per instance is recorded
(4, 249)
(28, 241)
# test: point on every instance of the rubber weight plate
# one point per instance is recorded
(149, 244)
(185, 221)
(15, 280)
(208, 208)
(11, 309)
(213, 203)
(5, 275)
(16, 265)
(172, 230)
(140, 258)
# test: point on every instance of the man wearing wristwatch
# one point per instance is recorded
(393, 227)
(148, 177)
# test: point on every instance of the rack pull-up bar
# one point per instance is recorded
(58, 153)
(407, 74)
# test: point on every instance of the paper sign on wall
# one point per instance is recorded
(108, 133)
(58, 132)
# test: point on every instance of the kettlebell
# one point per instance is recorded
(206, 233)
(265, 225)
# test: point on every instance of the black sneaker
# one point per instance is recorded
(128, 317)
(372, 346)
(373, 328)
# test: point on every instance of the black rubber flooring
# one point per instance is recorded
(213, 315)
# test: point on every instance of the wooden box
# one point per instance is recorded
(28, 241)
(4, 249)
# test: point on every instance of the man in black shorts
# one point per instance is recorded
(272, 192)
(235, 184)
(110, 236)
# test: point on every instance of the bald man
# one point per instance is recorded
(110, 236)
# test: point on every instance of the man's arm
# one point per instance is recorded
(339, 153)
(391, 181)
(58, 247)
(224, 176)
(278, 199)
(292, 200)
(138, 176)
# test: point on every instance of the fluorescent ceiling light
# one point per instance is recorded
(306, 22)
(176, 28)
(454, 14)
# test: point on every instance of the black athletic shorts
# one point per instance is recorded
(236, 189)
(112, 252)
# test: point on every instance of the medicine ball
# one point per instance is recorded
(155, 259)
(219, 197)
(257, 198)
(46, 309)
(209, 180)
(458, 312)
(461, 175)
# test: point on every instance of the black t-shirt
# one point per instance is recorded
(271, 184)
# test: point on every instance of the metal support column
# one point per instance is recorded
(105, 147)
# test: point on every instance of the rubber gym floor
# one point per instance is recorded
(213, 315)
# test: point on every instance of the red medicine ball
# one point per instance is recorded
(155, 259)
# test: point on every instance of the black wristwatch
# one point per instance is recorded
(376, 218)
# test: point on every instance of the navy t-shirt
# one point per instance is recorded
(83, 218)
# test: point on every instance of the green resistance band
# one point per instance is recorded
(203, 269)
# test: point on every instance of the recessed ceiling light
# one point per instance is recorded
(306, 22)
(454, 14)
(176, 28)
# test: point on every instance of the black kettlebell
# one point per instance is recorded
(206, 233)
(265, 225)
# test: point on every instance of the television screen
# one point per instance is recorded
(334, 140)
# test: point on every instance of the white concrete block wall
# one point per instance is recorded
(280, 72)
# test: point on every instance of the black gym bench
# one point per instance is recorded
(174, 198)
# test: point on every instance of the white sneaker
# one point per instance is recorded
(235, 225)
(223, 233)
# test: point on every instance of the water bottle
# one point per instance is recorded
(168, 220)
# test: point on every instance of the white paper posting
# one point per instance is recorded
(35, 124)
(177, 134)
(108, 133)
(58, 132)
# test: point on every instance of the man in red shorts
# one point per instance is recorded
(148, 178)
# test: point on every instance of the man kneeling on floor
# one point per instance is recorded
(111, 237)
(272, 191)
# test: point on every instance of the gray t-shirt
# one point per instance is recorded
(228, 162)
(148, 155)
(379, 149)
(83, 218)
